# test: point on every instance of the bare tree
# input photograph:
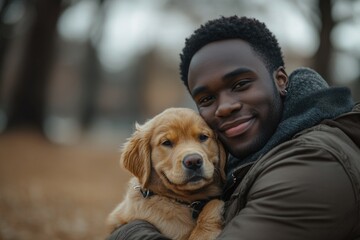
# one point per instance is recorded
(5, 33)
(28, 100)
(92, 70)
(322, 58)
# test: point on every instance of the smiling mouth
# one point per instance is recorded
(192, 179)
(195, 178)
(239, 129)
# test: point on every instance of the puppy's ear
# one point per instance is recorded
(136, 155)
(223, 158)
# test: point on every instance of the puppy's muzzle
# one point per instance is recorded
(193, 162)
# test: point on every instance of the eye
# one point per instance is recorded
(203, 137)
(241, 84)
(206, 100)
(167, 143)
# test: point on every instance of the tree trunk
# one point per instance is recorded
(5, 32)
(27, 108)
(92, 71)
(322, 58)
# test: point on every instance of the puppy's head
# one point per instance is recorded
(177, 150)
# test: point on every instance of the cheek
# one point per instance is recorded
(263, 101)
(215, 155)
(257, 96)
(161, 158)
(269, 110)
(208, 114)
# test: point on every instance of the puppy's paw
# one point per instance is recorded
(212, 212)
(210, 221)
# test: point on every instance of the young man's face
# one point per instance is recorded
(236, 95)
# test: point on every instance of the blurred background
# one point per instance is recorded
(76, 74)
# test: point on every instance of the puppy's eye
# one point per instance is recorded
(167, 143)
(203, 137)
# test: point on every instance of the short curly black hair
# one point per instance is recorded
(251, 30)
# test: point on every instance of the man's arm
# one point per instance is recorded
(306, 195)
(137, 230)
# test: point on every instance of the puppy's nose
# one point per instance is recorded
(193, 161)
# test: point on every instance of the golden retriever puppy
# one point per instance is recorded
(178, 165)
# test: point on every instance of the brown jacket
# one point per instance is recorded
(305, 188)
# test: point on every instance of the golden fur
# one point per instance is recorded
(155, 154)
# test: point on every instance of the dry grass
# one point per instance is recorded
(55, 192)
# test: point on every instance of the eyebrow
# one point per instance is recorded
(227, 76)
(198, 90)
(236, 72)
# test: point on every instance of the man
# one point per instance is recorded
(293, 142)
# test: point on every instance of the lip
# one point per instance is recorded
(237, 127)
(195, 178)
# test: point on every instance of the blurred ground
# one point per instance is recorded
(49, 191)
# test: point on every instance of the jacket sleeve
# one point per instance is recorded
(299, 194)
(137, 230)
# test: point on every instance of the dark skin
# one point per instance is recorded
(237, 95)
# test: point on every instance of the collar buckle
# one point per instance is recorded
(146, 193)
(196, 208)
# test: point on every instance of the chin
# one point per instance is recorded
(242, 149)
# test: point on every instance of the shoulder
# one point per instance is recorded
(318, 166)
(321, 142)
(307, 173)
(315, 148)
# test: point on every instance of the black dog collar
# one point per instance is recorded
(195, 206)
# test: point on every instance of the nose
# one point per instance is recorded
(227, 107)
(193, 161)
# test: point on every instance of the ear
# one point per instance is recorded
(222, 158)
(281, 80)
(136, 155)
